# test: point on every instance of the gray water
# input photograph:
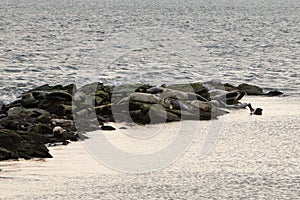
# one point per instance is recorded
(61, 42)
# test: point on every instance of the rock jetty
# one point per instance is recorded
(50, 115)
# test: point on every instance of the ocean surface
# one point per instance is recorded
(172, 41)
(169, 41)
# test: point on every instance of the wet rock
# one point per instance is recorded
(60, 108)
(251, 89)
(230, 98)
(107, 128)
(9, 141)
(102, 98)
(45, 118)
(41, 129)
(274, 93)
(70, 135)
(13, 122)
(91, 88)
(197, 88)
(59, 95)
(5, 154)
(22, 145)
(68, 88)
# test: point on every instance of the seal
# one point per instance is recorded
(254, 111)
(144, 97)
(155, 90)
(174, 94)
(175, 104)
(202, 105)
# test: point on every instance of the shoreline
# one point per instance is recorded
(59, 114)
(256, 148)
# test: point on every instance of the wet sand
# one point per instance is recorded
(254, 157)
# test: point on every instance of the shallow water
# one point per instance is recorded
(255, 157)
(62, 42)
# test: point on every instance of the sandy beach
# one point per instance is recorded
(255, 157)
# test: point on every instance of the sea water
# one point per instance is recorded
(172, 41)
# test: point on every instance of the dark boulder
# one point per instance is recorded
(107, 128)
(251, 89)
(274, 93)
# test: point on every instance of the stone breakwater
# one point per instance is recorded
(51, 115)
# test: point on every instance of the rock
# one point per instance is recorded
(91, 88)
(59, 96)
(41, 129)
(251, 89)
(68, 88)
(60, 108)
(218, 85)
(230, 98)
(274, 93)
(13, 122)
(107, 128)
(22, 145)
(20, 111)
(197, 88)
(156, 114)
(69, 135)
(104, 111)
(44, 118)
(24, 102)
(138, 117)
(9, 141)
(5, 154)
(102, 97)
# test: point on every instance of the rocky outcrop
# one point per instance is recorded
(55, 114)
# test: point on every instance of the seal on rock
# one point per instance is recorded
(144, 97)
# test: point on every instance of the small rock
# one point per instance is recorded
(107, 128)
(274, 93)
